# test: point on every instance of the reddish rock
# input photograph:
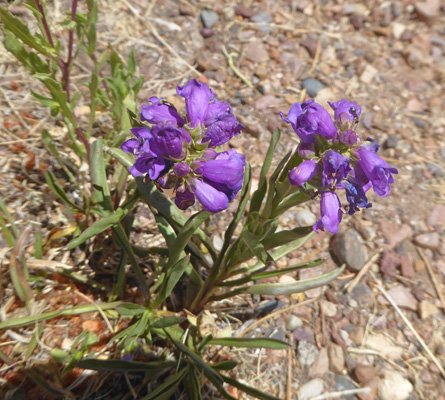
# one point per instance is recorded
(244, 11)
(428, 240)
(406, 267)
(389, 262)
(393, 233)
(364, 373)
(428, 11)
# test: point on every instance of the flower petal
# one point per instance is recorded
(156, 112)
(211, 199)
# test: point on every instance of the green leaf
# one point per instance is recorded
(256, 247)
(21, 31)
(250, 342)
(248, 389)
(224, 365)
(124, 366)
(97, 227)
(199, 362)
(290, 201)
(166, 390)
(99, 177)
(192, 385)
(9, 218)
(278, 289)
(23, 321)
(91, 30)
(167, 321)
(284, 237)
(185, 234)
(130, 309)
(52, 183)
(258, 196)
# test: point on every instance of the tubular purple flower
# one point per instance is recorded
(314, 120)
(156, 112)
(353, 110)
(212, 199)
(227, 168)
(335, 169)
(303, 173)
(170, 140)
(222, 130)
(356, 197)
(376, 170)
(181, 169)
(331, 213)
(348, 137)
(292, 117)
(215, 110)
(184, 199)
(197, 96)
(306, 150)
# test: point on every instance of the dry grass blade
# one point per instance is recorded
(351, 285)
(408, 323)
(342, 393)
(17, 271)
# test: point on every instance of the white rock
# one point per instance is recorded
(394, 387)
(329, 309)
(382, 344)
(311, 389)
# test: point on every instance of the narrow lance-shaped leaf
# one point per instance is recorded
(250, 342)
(124, 366)
(258, 196)
(248, 389)
(97, 227)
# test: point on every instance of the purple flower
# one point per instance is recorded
(212, 199)
(310, 118)
(203, 109)
(303, 173)
(352, 110)
(227, 169)
(170, 140)
(348, 137)
(184, 199)
(306, 150)
(376, 170)
(356, 197)
(335, 169)
(331, 213)
(147, 152)
(181, 169)
(157, 112)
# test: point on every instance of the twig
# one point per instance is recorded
(100, 311)
(351, 285)
(14, 109)
(375, 353)
(341, 394)
(274, 314)
(289, 368)
(408, 323)
(45, 23)
(237, 72)
(433, 277)
(316, 57)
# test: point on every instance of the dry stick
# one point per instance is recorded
(316, 57)
(351, 285)
(375, 353)
(102, 314)
(341, 394)
(410, 326)
(433, 277)
(237, 72)
(289, 368)
(274, 314)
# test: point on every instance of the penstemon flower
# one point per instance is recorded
(336, 158)
(178, 152)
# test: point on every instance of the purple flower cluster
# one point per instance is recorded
(178, 153)
(335, 158)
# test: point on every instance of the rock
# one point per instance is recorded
(391, 141)
(304, 335)
(369, 74)
(342, 383)
(310, 45)
(406, 267)
(321, 363)
(329, 309)
(402, 296)
(307, 353)
(394, 387)
(357, 334)
(394, 233)
(207, 60)
(348, 248)
(364, 373)
(428, 240)
(336, 358)
(389, 262)
(428, 11)
(312, 86)
(209, 18)
(305, 217)
(356, 21)
(414, 57)
(206, 33)
(293, 322)
(264, 102)
(186, 9)
(244, 11)
(362, 295)
(382, 344)
(311, 389)
(426, 309)
(256, 52)
(397, 30)
(262, 72)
